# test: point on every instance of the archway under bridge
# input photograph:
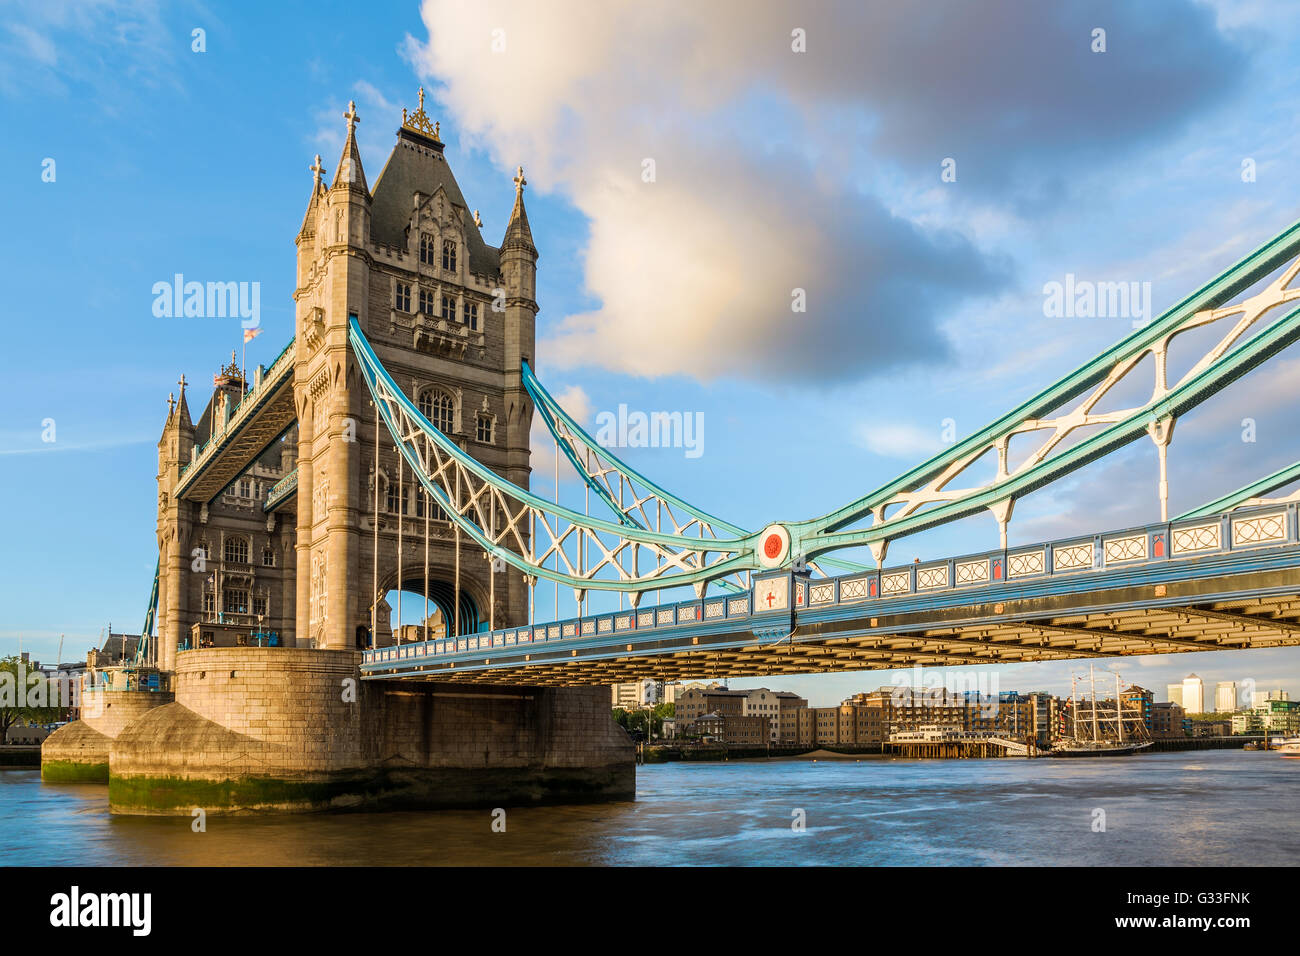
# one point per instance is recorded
(406, 609)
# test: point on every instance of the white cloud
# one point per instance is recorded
(695, 271)
(898, 441)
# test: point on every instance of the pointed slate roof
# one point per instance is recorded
(183, 412)
(313, 204)
(350, 172)
(517, 231)
(417, 164)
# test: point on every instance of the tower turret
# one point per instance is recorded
(306, 240)
(175, 447)
(333, 284)
(519, 273)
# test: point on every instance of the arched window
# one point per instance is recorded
(268, 558)
(439, 407)
(426, 248)
(236, 550)
(422, 498)
(449, 255)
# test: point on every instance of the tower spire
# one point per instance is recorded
(517, 231)
(308, 227)
(350, 172)
(182, 407)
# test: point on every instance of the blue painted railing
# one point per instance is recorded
(1255, 527)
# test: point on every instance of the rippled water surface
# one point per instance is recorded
(1197, 808)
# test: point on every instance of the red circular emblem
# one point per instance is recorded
(772, 546)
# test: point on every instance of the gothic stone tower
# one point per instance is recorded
(452, 319)
(260, 728)
(225, 564)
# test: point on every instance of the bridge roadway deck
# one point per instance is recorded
(261, 417)
(1231, 581)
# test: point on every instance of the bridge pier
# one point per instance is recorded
(261, 729)
(78, 752)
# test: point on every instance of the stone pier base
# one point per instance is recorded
(272, 729)
(78, 752)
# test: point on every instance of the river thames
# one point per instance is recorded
(1198, 808)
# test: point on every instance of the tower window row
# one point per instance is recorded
(439, 407)
(428, 249)
(431, 303)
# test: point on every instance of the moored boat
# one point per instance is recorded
(1098, 731)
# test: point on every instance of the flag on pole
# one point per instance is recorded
(250, 334)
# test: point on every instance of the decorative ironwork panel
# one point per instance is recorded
(900, 582)
(1026, 562)
(569, 630)
(738, 607)
(934, 576)
(1259, 529)
(822, 594)
(645, 619)
(716, 608)
(1131, 547)
(969, 572)
(854, 589)
(665, 616)
(1071, 557)
(588, 627)
(1203, 537)
(605, 625)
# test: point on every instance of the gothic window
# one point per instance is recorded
(448, 308)
(390, 497)
(426, 249)
(268, 558)
(259, 605)
(436, 513)
(234, 601)
(449, 255)
(402, 301)
(439, 408)
(484, 430)
(426, 302)
(245, 488)
(469, 315)
(209, 604)
(236, 550)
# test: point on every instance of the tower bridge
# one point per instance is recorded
(387, 448)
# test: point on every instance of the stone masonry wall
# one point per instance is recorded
(111, 711)
(285, 729)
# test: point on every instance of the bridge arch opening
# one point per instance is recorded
(407, 615)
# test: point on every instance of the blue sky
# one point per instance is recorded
(772, 170)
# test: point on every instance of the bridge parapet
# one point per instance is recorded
(1049, 567)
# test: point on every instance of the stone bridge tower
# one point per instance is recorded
(452, 319)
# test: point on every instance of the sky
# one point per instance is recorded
(913, 175)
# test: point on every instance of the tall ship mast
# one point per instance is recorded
(1098, 729)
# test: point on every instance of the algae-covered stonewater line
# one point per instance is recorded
(1182, 809)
